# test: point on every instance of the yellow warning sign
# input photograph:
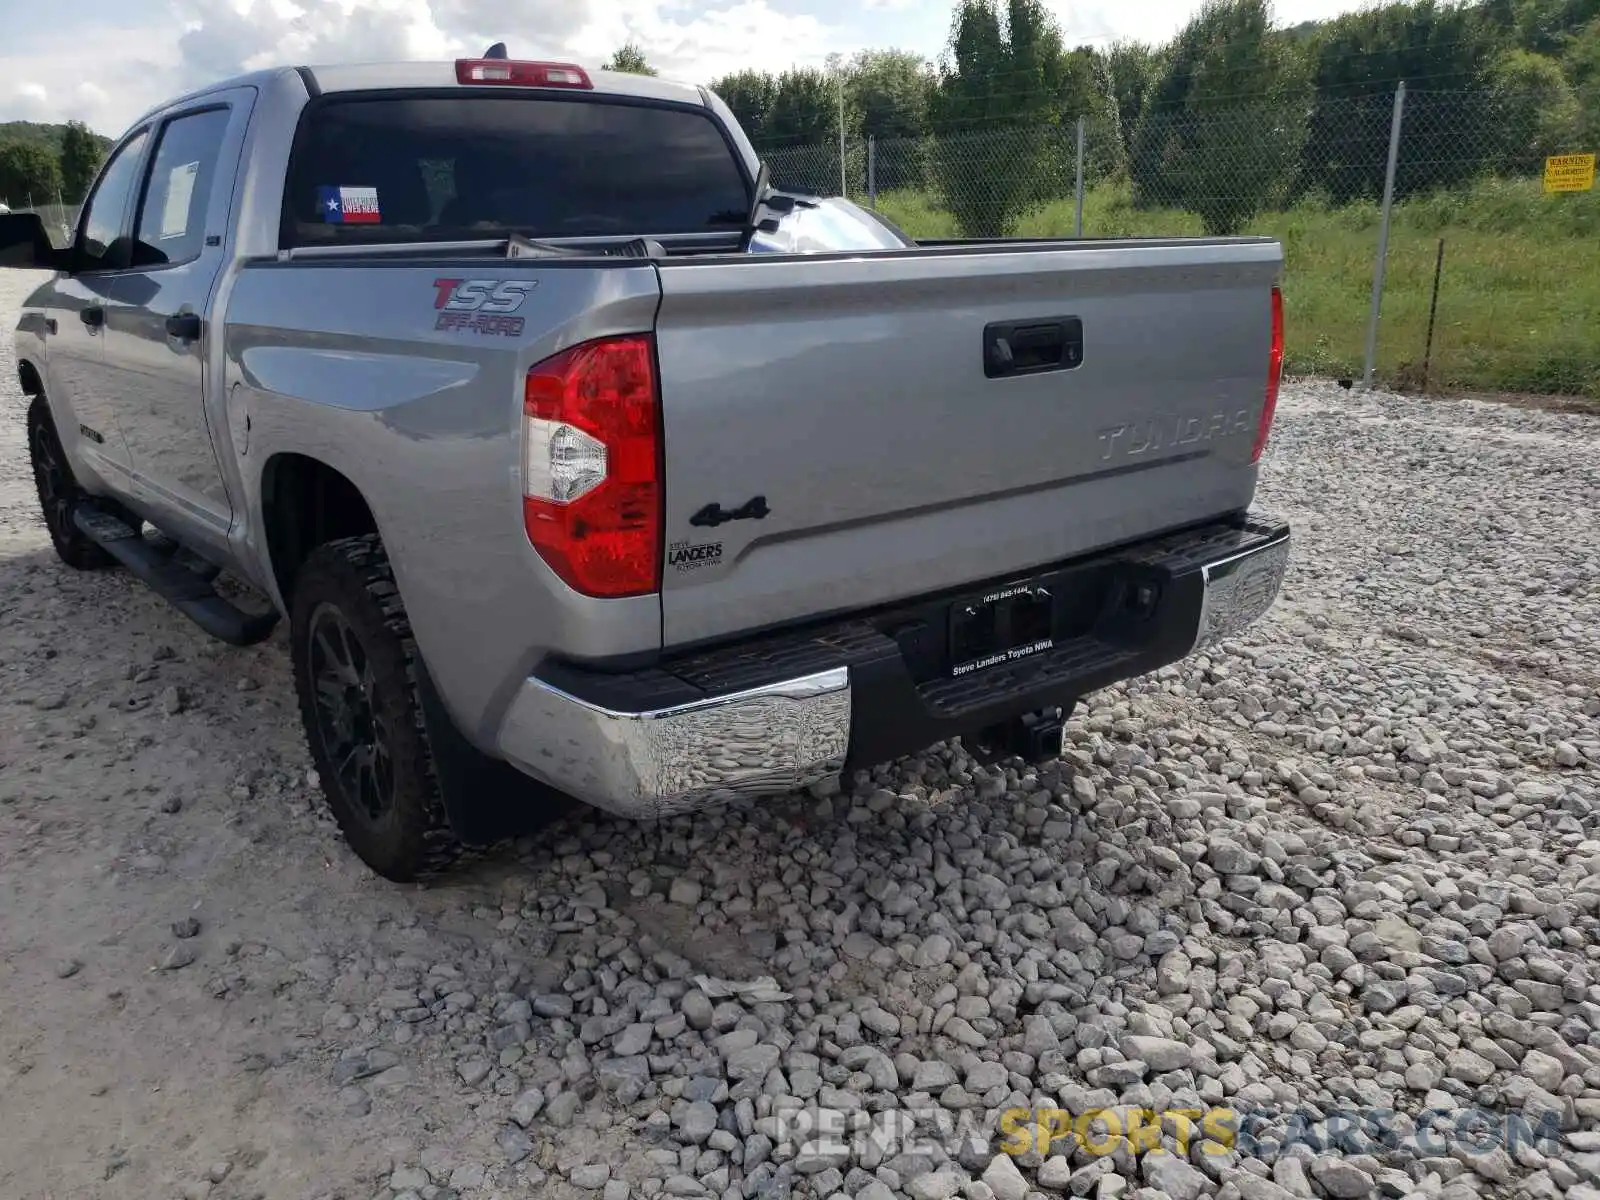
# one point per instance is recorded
(1569, 173)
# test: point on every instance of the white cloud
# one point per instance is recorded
(695, 43)
(102, 76)
(141, 65)
(107, 74)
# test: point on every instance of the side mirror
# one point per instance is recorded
(24, 243)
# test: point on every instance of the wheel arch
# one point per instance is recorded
(29, 378)
(305, 503)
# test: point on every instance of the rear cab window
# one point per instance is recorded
(460, 165)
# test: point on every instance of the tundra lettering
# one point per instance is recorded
(1171, 430)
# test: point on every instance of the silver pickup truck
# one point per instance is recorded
(582, 463)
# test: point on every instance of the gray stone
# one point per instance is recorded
(1227, 857)
(552, 1006)
(933, 1075)
(1158, 1053)
(514, 1144)
(934, 951)
(635, 1039)
(983, 1076)
(1171, 1176)
(1004, 1179)
(468, 1175)
(752, 1062)
(1543, 1069)
(699, 1119)
(697, 1009)
(616, 1074)
(177, 957)
(684, 891)
(527, 1106)
(561, 1111)
(1055, 1173)
(935, 1185)
(1468, 1066)
(821, 1155)
(1341, 1179)
(408, 1179)
(591, 1177)
(1254, 1187)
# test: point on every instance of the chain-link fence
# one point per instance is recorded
(1520, 285)
(1517, 269)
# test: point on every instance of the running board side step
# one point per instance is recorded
(187, 591)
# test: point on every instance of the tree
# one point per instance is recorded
(1133, 67)
(629, 58)
(81, 153)
(1535, 110)
(1005, 91)
(891, 90)
(28, 173)
(1359, 58)
(805, 108)
(749, 95)
(804, 121)
(1105, 151)
(1226, 120)
(1582, 63)
(1548, 26)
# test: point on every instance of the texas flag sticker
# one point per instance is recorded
(349, 205)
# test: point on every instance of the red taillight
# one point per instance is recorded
(1274, 374)
(591, 475)
(522, 74)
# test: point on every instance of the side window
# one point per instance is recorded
(172, 214)
(101, 245)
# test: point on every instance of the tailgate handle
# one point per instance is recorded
(1032, 347)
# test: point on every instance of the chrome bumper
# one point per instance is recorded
(1239, 589)
(776, 738)
(780, 737)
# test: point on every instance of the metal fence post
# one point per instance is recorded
(1379, 267)
(872, 170)
(844, 186)
(1077, 223)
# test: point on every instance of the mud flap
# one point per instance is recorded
(485, 800)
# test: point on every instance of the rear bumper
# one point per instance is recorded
(780, 712)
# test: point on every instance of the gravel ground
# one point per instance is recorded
(1340, 878)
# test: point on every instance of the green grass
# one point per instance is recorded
(1519, 301)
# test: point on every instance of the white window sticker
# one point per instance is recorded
(180, 191)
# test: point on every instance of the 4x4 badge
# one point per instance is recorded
(753, 509)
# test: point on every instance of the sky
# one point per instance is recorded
(113, 59)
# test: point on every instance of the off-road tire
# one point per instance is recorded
(411, 839)
(59, 493)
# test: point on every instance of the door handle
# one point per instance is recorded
(94, 316)
(184, 326)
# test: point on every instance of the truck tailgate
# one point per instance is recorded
(844, 431)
